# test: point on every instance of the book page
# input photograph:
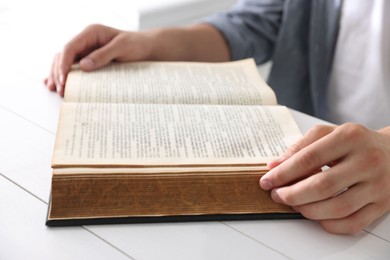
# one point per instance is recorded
(90, 171)
(233, 83)
(151, 135)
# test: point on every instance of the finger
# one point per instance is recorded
(60, 77)
(48, 82)
(306, 161)
(358, 220)
(320, 186)
(310, 137)
(54, 72)
(340, 206)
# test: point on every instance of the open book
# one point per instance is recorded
(162, 141)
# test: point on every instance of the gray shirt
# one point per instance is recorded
(297, 35)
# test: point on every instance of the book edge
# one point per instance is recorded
(171, 219)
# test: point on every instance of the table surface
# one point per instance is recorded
(30, 35)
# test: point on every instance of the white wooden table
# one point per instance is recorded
(30, 35)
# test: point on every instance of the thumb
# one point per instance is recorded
(125, 46)
(99, 57)
(103, 55)
(87, 64)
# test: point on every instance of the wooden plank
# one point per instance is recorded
(305, 239)
(198, 240)
(25, 152)
(24, 234)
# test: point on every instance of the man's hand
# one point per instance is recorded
(349, 195)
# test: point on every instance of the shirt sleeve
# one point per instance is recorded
(250, 28)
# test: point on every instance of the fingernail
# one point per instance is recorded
(266, 184)
(48, 83)
(87, 63)
(59, 88)
(61, 79)
(275, 196)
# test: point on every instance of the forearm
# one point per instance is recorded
(201, 42)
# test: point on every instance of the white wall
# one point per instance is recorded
(161, 13)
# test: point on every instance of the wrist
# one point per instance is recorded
(152, 43)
